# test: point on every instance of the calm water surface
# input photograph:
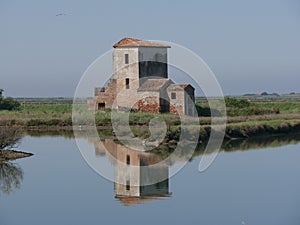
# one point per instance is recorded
(241, 187)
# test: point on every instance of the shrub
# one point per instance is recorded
(205, 111)
(236, 103)
(9, 137)
(8, 103)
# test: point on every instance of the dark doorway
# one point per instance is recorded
(164, 105)
(101, 105)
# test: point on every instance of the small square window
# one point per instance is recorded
(126, 59)
(173, 95)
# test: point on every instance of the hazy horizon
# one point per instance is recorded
(233, 95)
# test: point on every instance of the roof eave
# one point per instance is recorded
(141, 46)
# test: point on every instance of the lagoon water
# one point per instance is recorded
(258, 186)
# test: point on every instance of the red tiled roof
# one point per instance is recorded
(132, 42)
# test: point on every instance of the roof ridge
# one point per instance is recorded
(133, 42)
(179, 85)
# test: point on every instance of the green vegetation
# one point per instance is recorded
(8, 103)
(245, 107)
(282, 107)
(38, 115)
(245, 119)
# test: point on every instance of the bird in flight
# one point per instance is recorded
(61, 14)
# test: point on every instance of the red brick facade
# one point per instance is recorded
(151, 105)
(104, 96)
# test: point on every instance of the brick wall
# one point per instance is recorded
(148, 102)
(108, 96)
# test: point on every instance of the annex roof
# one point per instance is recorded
(154, 84)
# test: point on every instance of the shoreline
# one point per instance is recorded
(165, 148)
(237, 137)
(241, 130)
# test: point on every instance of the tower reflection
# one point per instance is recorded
(138, 176)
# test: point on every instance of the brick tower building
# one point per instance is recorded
(140, 81)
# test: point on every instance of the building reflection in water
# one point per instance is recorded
(135, 173)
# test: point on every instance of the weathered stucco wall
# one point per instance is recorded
(177, 104)
(184, 102)
(126, 97)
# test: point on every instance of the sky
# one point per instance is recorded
(251, 46)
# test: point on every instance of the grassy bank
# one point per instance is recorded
(245, 119)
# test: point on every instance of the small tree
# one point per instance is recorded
(8, 103)
(9, 138)
(1, 97)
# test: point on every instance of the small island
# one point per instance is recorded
(9, 139)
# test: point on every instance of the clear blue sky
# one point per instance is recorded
(251, 46)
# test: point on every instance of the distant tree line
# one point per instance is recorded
(8, 103)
